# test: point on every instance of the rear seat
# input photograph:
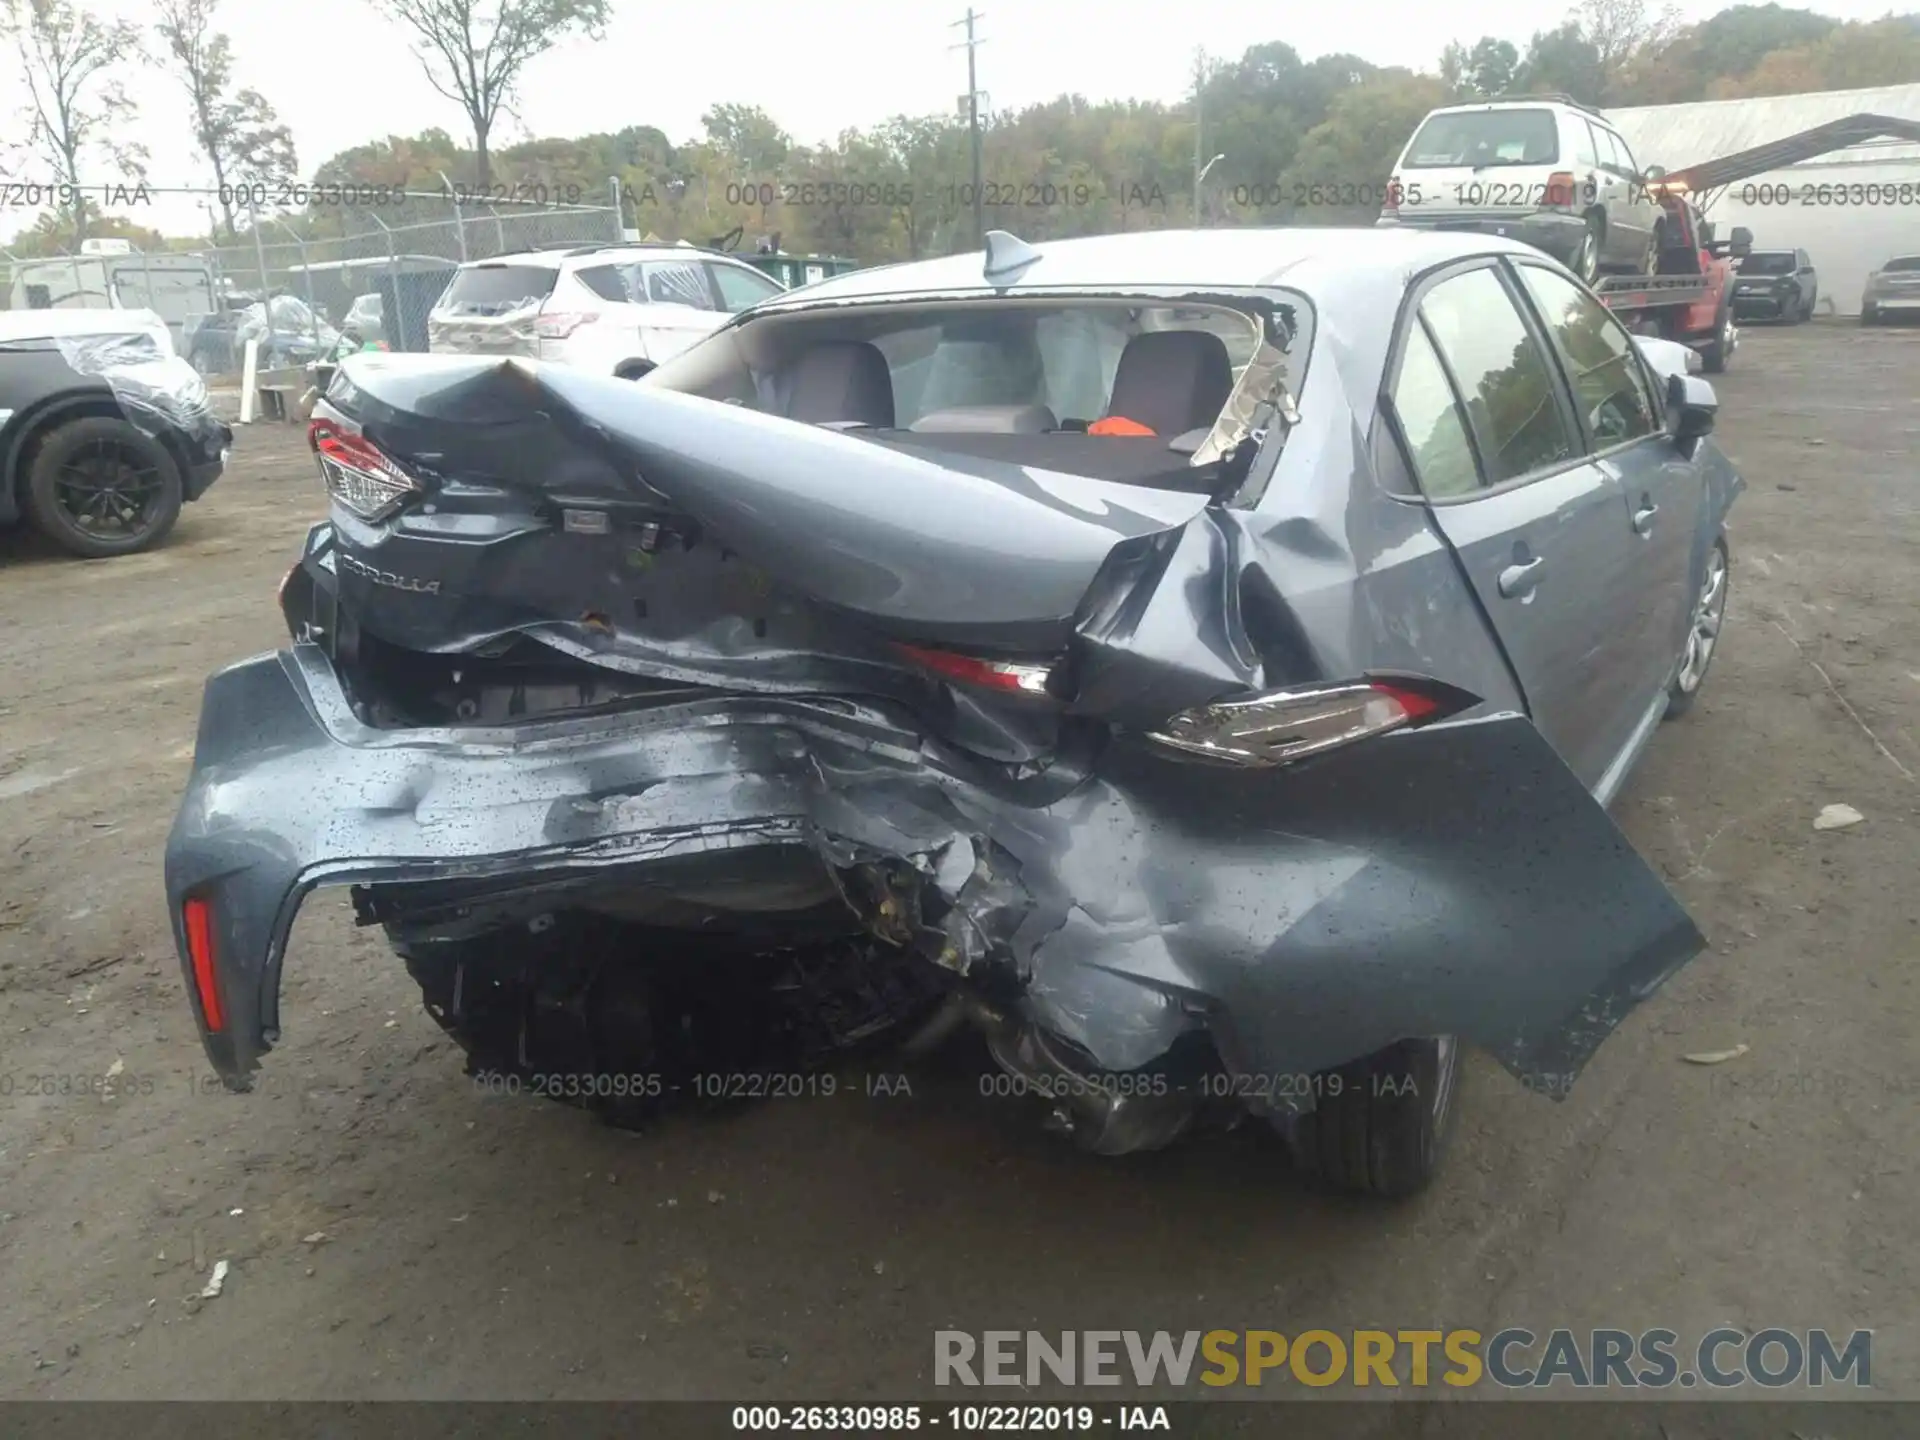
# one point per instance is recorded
(840, 382)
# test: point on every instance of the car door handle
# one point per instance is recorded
(1643, 519)
(1519, 580)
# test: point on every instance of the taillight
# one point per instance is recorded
(197, 920)
(1005, 676)
(1392, 205)
(1289, 725)
(1560, 189)
(558, 326)
(357, 472)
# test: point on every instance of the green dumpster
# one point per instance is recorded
(794, 271)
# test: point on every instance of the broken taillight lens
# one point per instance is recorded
(1006, 676)
(358, 474)
(1288, 725)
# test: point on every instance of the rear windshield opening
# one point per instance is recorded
(1774, 262)
(1147, 392)
(1906, 264)
(497, 289)
(1481, 138)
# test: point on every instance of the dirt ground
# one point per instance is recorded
(484, 1246)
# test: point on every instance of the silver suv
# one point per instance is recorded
(1545, 171)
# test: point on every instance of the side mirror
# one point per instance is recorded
(1742, 241)
(1691, 407)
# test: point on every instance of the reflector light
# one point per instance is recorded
(988, 674)
(1289, 725)
(197, 918)
(357, 473)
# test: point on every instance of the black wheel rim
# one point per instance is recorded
(109, 491)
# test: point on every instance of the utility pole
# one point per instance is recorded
(1199, 126)
(973, 123)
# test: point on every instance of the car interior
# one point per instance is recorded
(1112, 391)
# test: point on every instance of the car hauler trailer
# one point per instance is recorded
(1690, 299)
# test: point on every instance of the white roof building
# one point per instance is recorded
(1849, 209)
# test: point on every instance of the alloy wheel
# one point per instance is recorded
(109, 491)
(1446, 1065)
(1708, 612)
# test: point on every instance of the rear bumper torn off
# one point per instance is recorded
(1452, 880)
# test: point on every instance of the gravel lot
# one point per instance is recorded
(497, 1247)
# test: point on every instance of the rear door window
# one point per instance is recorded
(1629, 166)
(1505, 376)
(498, 289)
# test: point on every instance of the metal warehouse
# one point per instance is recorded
(1787, 208)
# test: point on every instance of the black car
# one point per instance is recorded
(1776, 285)
(217, 345)
(104, 431)
(211, 348)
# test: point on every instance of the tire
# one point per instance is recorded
(1709, 615)
(1806, 310)
(1797, 314)
(124, 470)
(1650, 259)
(1714, 358)
(1381, 1125)
(1586, 260)
(1869, 315)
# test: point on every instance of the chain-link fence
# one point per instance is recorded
(297, 280)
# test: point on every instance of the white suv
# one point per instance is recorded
(1546, 171)
(614, 309)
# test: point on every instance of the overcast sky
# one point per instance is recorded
(340, 74)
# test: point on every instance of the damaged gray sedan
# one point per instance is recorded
(1199, 661)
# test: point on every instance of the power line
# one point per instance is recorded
(970, 44)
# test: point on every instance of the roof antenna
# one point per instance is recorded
(1007, 256)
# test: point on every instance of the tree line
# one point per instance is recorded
(1299, 141)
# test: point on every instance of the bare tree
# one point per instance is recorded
(473, 52)
(75, 110)
(239, 133)
(1621, 30)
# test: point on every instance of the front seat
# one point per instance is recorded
(1172, 381)
(841, 382)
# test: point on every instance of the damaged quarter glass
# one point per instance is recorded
(1061, 654)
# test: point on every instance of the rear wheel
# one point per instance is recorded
(1656, 240)
(1869, 315)
(1703, 634)
(1380, 1125)
(99, 487)
(1586, 260)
